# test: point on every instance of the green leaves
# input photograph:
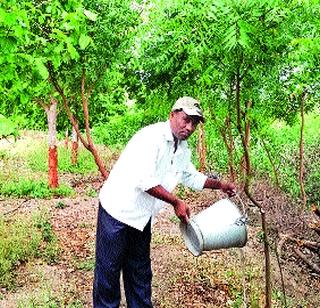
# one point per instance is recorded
(84, 41)
(90, 15)
(41, 68)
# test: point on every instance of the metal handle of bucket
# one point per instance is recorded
(243, 220)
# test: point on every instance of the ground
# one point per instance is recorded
(223, 278)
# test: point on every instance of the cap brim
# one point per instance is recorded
(193, 112)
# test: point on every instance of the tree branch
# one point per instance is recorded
(66, 105)
(313, 266)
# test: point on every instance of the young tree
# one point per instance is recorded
(67, 46)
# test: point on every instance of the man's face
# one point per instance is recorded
(182, 125)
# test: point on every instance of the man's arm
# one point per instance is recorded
(180, 208)
(228, 188)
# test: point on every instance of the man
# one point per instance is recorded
(154, 161)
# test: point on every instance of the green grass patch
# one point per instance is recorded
(25, 187)
(45, 298)
(38, 160)
(23, 239)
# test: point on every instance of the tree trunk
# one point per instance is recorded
(201, 148)
(243, 163)
(248, 193)
(228, 140)
(66, 140)
(271, 162)
(230, 149)
(53, 152)
(74, 147)
(301, 151)
(88, 144)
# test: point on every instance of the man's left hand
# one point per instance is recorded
(228, 188)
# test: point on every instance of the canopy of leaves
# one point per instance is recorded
(62, 38)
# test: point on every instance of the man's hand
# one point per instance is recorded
(182, 211)
(180, 208)
(228, 188)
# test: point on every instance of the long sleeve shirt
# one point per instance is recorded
(148, 160)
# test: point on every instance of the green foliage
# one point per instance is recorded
(7, 128)
(41, 299)
(61, 205)
(86, 265)
(22, 240)
(32, 188)
(119, 129)
(63, 39)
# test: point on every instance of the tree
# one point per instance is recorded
(223, 52)
(68, 46)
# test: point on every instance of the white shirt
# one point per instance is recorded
(147, 161)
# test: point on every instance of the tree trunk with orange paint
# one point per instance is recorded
(74, 148)
(51, 111)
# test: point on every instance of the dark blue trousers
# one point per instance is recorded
(120, 247)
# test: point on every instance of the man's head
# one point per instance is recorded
(184, 117)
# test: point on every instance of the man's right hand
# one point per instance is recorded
(182, 211)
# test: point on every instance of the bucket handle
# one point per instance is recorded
(243, 220)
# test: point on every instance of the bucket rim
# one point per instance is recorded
(190, 245)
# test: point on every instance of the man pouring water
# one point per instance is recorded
(155, 160)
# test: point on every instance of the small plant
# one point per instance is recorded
(41, 299)
(92, 193)
(61, 205)
(86, 265)
(50, 248)
(174, 219)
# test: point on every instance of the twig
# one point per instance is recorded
(315, 228)
(16, 208)
(313, 266)
(281, 277)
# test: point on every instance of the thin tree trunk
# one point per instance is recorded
(66, 140)
(74, 147)
(230, 148)
(248, 193)
(301, 151)
(271, 161)
(243, 163)
(201, 148)
(53, 152)
(228, 140)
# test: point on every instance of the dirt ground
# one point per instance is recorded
(180, 279)
(223, 278)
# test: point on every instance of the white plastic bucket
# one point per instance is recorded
(219, 226)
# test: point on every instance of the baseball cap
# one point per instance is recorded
(190, 106)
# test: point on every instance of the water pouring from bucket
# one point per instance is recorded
(219, 226)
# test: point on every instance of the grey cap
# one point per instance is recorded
(190, 106)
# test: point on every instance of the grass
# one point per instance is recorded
(23, 239)
(38, 161)
(32, 188)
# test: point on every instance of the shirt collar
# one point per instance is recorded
(167, 131)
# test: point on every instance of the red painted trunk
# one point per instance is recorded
(74, 153)
(74, 148)
(53, 167)
(52, 152)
